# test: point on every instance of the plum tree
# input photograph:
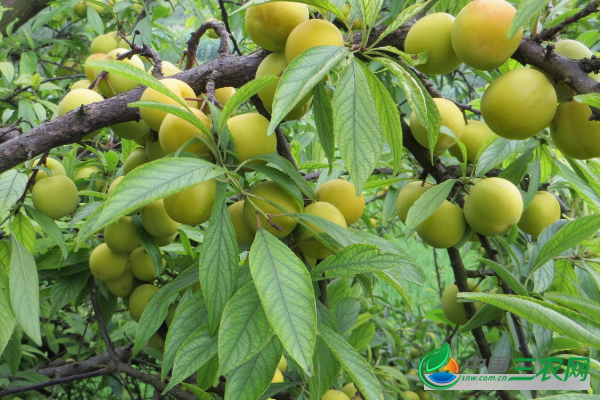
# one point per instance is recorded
(444, 228)
(543, 210)
(249, 136)
(55, 196)
(407, 197)
(480, 34)
(157, 222)
(243, 233)
(304, 235)
(274, 193)
(452, 118)
(312, 33)
(141, 265)
(519, 104)
(55, 167)
(121, 287)
(192, 206)
(106, 265)
(573, 133)
(473, 136)
(453, 310)
(342, 195)
(138, 301)
(154, 118)
(136, 158)
(175, 131)
(121, 236)
(494, 205)
(269, 25)
(333, 394)
(432, 34)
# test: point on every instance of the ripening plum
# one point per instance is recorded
(192, 206)
(141, 265)
(157, 222)
(80, 9)
(575, 50)
(224, 94)
(121, 236)
(131, 130)
(249, 136)
(305, 238)
(333, 394)
(55, 167)
(432, 34)
(75, 99)
(410, 395)
(154, 118)
(349, 390)
(342, 195)
(277, 377)
(270, 24)
(165, 241)
(452, 118)
(480, 34)
(312, 33)
(211, 32)
(138, 301)
(154, 150)
(117, 83)
(444, 228)
(121, 287)
(493, 206)
(519, 104)
(55, 196)
(273, 192)
(543, 211)
(168, 69)
(91, 72)
(473, 136)
(282, 364)
(243, 233)
(91, 172)
(453, 310)
(103, 44)
(106, 265)
(175, 131)
(408, 195)
(347, 10)
(82, 84)
(136, 158)
(573, 133)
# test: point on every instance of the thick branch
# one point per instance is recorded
(548, 34)
(21, 10)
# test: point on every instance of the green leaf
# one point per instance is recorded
(389, 116)
(572, 396)
(526, 11)
(189, 316)
(22, 228)
(357, 368)
(12, 187)
(361, 258)
(323, 115)
(251, 379)
(207, 374)
(428, 203)
(150, 182)
(571, 234)
(577, 303)
(152, 318)
(326, 369)
(184, 280)
(66, 289)
(516, 170)
(50, 227)
(401, 19)
(281, 178)
(6, 314)
(534, 180)
(580, 186)
(591, 99)
(244, 329)
(506, 276)
(286, 293)
(218, 260)
(540, 313)
(242, 95)
(197, 349)
(357, 128)
(497, 152)
(287, 167)
(150, 246)
(275, 388)
(24, 290)
(303, 74)
(361, 336)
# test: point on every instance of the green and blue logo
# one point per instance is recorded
(434, 361)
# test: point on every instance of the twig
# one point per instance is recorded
(100, 319)
(145, 51)
(225, 18)
(194, 42)
(56, 381)
(549, 33)
(438, 274)
(523, 346)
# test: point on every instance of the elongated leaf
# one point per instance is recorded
(184, 280)
(6, 314)
(286, 293)
(66, 289)
(506, 277)
(572, 396)
(323, 114)
(150, 182)
(572, 234)
(244, 329)
(287, 167)
(326, 369)
(357, 128)
(50, 227)
(389, 116)
(401, 19)
(538, 313)
(218, 260)
(281, 178)
(428, 203)
(534, 182)
(12, 186)
(150, 246)
(242, 95)
(497, 152)
(526, 11)
(152, 318)
(301, 76)
(591, 99)
(22, 228)
(576, 302)
(197, 349)
(353, 363)
(580, 186)
(189, 316)
(24, 290)
(251, 379)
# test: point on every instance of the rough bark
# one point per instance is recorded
(21, 10)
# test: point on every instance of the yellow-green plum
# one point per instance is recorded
(192, 206)
(473, 136)
(138, 301)
(154, 118)
(171, 314)
(575, 50)
(136, 158)
(175, 131)
(573, 133)
(333, 394)
(77, 98)
(493, 206)
(55, 196)
(117, 83)
(106, 265)
(80, 9)
(312, 33)
(114, 185)
(277, 377)
(346, 10)
(165, 241)
(275, 64)
(269, 25)
(121, 287)
(407, 197)
(55, 167)
(282, 365)
(224, 94)
(121, 236)
(154, 150)
(452, 118)
(432, 34)
(423, 395)
(211, 32)
(91, 173)
(349, 390)
(157, 343)
(519, 104)
(168, 69)
(141, 265)
(342, 195)
(89, 71)
(142, 140)
(453, 310)
(410, 395)
(82, 84)
(276, 194)
(243, 233)
(249, 136)
(313, 248)
(444, 228)
(157, 222)
(131, 130)
(543, 210)
(480, 34)
(103, 44)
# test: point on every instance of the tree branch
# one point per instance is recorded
(548, 34)
(20, 11)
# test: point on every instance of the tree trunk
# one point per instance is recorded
(20, 10)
